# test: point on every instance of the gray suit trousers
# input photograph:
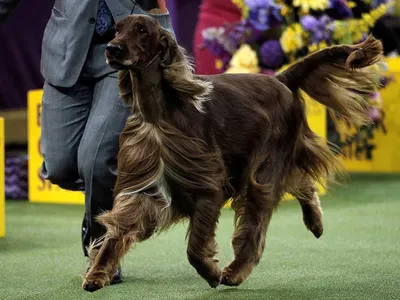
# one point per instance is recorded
(82, 115)
(80, 132)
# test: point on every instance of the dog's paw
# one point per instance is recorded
(312, 216)
(94, 282)
(226, 275)
(229, 277)
(317, 230)
(213, 275)
(214, 281)
(208, 269)
(313, 223)
(92, 286)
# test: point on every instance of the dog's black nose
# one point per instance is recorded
(114, 49)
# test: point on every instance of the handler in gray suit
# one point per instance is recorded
(82, 114)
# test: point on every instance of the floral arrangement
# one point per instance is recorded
(273, 34)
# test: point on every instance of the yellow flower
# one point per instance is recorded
(357, 28)
(218, 64)
(283, 68)
(322, 45)
(292, 38)
(240, 70)
(315, 47)
(244, 61)
(368, 19)
(306, 5)
(353, 30)
(285, 10)
(243, 7)
(340, 30)
(379, 12)
(351, 4)
(312, 48)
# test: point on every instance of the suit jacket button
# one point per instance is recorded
(92, 20)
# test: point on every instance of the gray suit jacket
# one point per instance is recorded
(68, 33)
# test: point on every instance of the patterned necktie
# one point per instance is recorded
(104, 18)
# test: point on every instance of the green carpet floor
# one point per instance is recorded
(358, 257)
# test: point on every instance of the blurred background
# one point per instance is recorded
(235, 36)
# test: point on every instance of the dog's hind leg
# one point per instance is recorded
(252, 215)
(132, 219)
(202, 246)
(311, 207)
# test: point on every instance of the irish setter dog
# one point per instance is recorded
(192, 142)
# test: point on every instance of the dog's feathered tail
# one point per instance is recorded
(337, 78)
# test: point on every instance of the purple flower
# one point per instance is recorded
(375, 114)
(253, 4)
(213, 38)
(264, 14)
(268, 72)
(271, 54)
(309, 22)
(216, 41)
(341, 8)
(215, 48)
(236, 35)
(252, 34)
(364, 37)
(321, 29)
(385, 80)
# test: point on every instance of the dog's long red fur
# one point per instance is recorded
(193, 142)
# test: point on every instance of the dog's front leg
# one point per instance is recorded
(105, 263)
(202, 245)
(132, 219)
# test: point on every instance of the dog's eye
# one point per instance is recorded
(142, 30)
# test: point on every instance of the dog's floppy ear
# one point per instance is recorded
(125, 86)
(178, 71)
(170, 51)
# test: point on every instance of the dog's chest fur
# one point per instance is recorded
(157, 155)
